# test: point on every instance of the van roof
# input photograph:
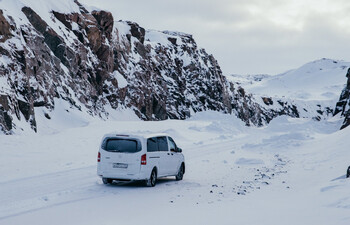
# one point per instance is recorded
(135, 135)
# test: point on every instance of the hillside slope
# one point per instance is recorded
(54, 54)
(313, 89)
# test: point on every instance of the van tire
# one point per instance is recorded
(151, 182)
(181, 172)
(107, 180)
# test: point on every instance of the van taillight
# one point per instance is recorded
(144, 159)
(99, 157)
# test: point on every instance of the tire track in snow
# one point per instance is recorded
(34, 193)
(31, 193)
(22, 195)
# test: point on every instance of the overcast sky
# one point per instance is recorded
(249, 36)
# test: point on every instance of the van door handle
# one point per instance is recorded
(168, 153)
(107, 157)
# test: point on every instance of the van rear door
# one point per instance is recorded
(120, 157)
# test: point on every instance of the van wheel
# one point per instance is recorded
(107, 180)
(151, 182)
(180, 174)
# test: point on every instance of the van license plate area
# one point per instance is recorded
(120, 165)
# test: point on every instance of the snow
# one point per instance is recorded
(4, 60)
(157, 37)
(290, 172)
(161, 37)
(44, 8)
(62, 117)
(314, 88)
(245, 161)
(41, 7)
(318, 80)
(122, 27)
(121, 114)
(75, 26)
(122, 82)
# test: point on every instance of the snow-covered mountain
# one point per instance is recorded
(58, 56)
(313, 89)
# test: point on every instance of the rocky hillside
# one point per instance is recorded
(343, 105)
(54, 51)
(99, 65)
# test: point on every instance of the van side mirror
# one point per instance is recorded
(176, 149)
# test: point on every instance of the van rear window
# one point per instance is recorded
(121, 145)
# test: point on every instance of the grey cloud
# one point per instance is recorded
(247, 36)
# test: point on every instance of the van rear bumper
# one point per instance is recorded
(126, 177)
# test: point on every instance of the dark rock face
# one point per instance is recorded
(267, 101)
(136, 31)
(5, 118)
(4, 28)
(343, 105)
(51, 38)
(93, 63)
(105, 21)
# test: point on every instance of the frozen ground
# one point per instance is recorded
(291, 172)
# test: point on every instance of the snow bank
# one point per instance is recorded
(290, 173)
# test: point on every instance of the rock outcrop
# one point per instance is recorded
(97, 65)
(343, 105)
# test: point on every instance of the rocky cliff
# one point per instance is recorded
(98, 65)
(343, 105)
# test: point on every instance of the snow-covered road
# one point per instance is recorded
(50, 189)
(235, 175)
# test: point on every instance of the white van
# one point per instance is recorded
(132, 157)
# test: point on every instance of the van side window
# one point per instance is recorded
(152, 145)
(162, 144)
(172, 144)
